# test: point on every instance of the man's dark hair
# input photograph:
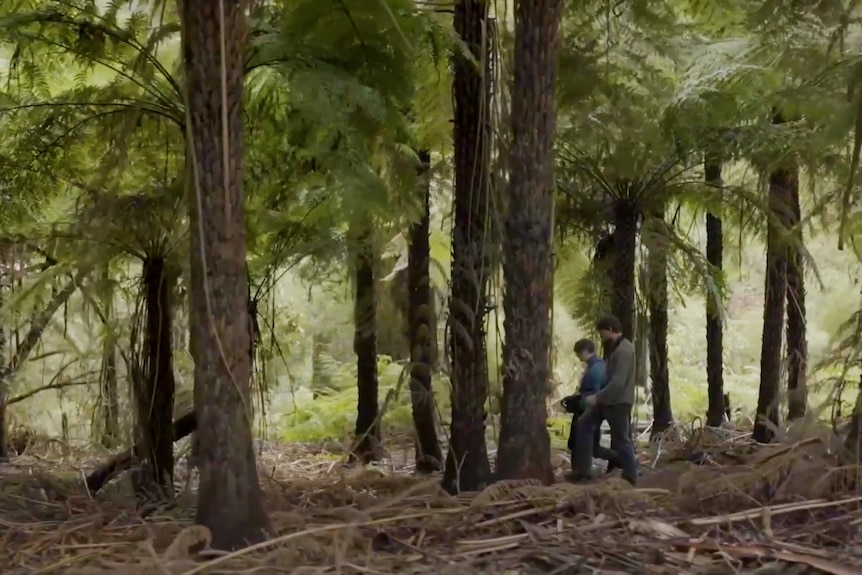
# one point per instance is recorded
(610, 323)
(584, 345)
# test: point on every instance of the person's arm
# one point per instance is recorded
(620, 364)
(597, 376)
(593, 380)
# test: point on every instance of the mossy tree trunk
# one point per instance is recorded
(797, 341)
(467, 466)
(155, 385)
(782, 179)
(429, 456)
(525, 447)
(657, 302)
(230, 500)
(367, 446)
(714, 324)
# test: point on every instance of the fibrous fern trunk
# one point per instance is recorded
(155, 385)
(110, 393)
(367, 446)
(781, 182)
(797, 342)
(429, 456)
(657, 302)
(714, 324)
(230, 501)
(467, 466)
(621, 271)
(525, 449)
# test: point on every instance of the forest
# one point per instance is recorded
(293, 286)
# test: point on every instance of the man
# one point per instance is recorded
(612, 403)
(591, 383)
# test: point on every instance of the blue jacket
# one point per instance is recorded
(594, 377)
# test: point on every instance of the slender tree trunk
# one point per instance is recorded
(714, 336)
(230, 501)
(641, 342)
(367, 447)
(621, 272)
(781, 182)
(155, 396)
(393, 301)
(24, 347)
(429, 456)
(797, 343)
(5, 391)
(525, 447)
(853, 441)
(110, 432)
(467, 466)
(657, 301)
(321, 378)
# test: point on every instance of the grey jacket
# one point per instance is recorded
(620, 376)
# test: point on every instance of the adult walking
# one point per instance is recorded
(613, 403)
(591, 383)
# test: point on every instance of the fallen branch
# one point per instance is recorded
(772, 510)
(48, 387)
(183, 427)
(752, 551)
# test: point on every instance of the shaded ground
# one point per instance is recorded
(777, 509)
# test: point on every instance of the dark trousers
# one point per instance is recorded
(599, 451)
(573, 435)
(622, 447)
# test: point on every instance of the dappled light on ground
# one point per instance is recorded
(705, 505)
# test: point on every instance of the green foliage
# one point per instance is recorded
(340, 94)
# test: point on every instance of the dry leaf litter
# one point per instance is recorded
(711, 502)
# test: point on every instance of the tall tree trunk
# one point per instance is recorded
(154, 396)
(797, 342)
(429, 456)
(525, 447)
(781, 182)
(230, 501)
(621, 272)
(657, 301)
(467, 466)
(714, 328)
(367, 447)
(110, 395)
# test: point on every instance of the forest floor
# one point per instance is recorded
(784, 508)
